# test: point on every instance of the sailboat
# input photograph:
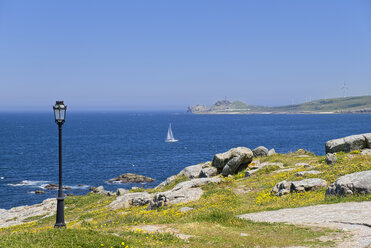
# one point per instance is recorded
(170, 136)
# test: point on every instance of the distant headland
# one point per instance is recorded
(341, 105)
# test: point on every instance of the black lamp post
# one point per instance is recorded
(60, 116)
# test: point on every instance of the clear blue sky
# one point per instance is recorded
(134, 55)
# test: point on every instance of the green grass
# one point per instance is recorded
(211, 223)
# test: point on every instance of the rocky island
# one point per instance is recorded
(242, 197)
(357, 104)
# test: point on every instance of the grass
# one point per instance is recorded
(211, 223)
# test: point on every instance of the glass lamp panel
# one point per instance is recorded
(62, 113)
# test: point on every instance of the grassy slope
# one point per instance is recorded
(212, 223)
(329, 105)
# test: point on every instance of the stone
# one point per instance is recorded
(38, 192)
(271, 152)
(366, 152)
(286, 187)
(121, 191)
(208, 172)
(92, 188)
(157, 202)
(354, 183)
(330, 158)
(308, 184)
(310, 172)
(193, 171)
(232, 161)
(282, 188)
(368, 140)
(347, 144)
(131, 178)
(260, 151)
(183, 192)
(100, 190)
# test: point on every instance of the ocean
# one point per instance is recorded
(100, 146)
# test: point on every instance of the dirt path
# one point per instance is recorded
(352, 217)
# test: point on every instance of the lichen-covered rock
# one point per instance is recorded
(349, 143)
(282, 188)
(232, 161)
(158, 201)
(260, 151)
(330, 158)
(354, 183)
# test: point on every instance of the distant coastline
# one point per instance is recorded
(343, 105)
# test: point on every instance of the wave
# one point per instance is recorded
(28, 183)
(1, 178)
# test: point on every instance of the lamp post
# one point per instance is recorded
(60, 116)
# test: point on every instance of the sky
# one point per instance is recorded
(167, 55)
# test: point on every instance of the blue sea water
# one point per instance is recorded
(101, 146)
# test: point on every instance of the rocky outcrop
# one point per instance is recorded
(100, 190)
(355, 183)
(121, 191)
(232, 161)
(183, 192)
(197, 109)
(166, 182)
(349, 143)
(330, 158)
(131, 178)
(260, 151)
(18, 215)
(285, 187)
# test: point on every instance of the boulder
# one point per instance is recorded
(271, 152)
(260, 151)
(121, 191)
(285, 187)
(366, 152)
(310, 172)
(232, 161)
(131, 178)
(135, 199)
(158, 201)
(282, 188)
(355, 183)
(368, 140)
(330, 158)
(38, 192)
(100, 190)
(349, 143)
(193, 171)
(208, 172)
(308, 184)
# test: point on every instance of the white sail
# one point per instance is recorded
(170, 136)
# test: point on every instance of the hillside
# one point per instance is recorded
(210, 221)
(357, 104)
